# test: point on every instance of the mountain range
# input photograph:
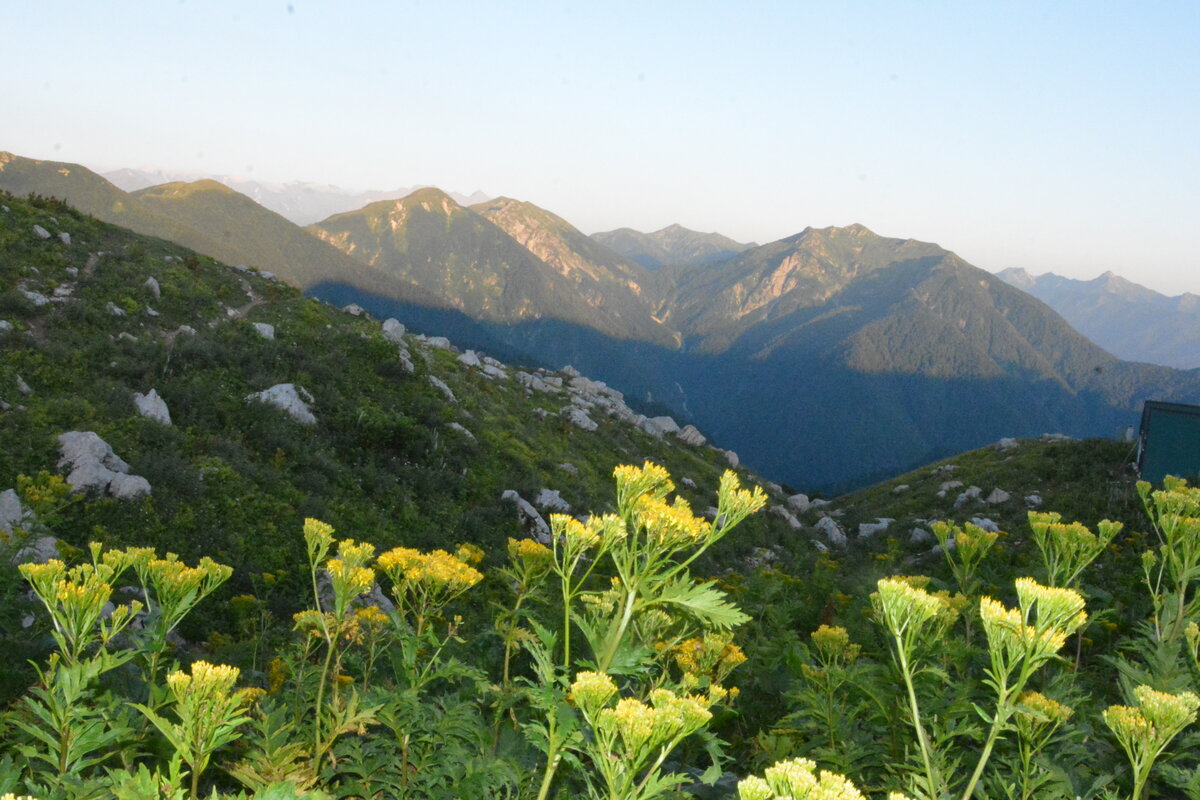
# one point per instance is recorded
(828, 359)
(302, 203)
(1126, 319)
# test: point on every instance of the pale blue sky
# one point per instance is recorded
(1057, 137)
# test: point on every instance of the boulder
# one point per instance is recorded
(1006, 444)
(114, 309)
(919, 536)
(985, 524)
(665, 424)
(37, 550)
(128, 487)
(185, 330)
(354, 310)
(966, 496)
(23, 387)
(901, 489)
(1033, 500)
(152, 406)
(688, 482)
(531, 520)
(470, 359)
(868, 529)
(579, 418)
(393, 330)
(945, 469)
(94, 467)
(832, 532)
(13, 513)
(152, 285)
(947, 486)
(569, 371)
(731, 457)
(688, 434)
(41, 232)
(441, 386)
(787, 516)
(551, 500)
(798, 503)
(534, 382)
(64, 237)
(760, 557)
(264, 329)
(289, 398)
(37, 298)
(998, 495)
(5, 326)
(492, 371)
(567, 466)
(440, 342)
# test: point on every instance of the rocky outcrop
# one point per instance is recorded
(441, 386)
(152, 406)
(1006, 444)
(688, 434)
(92, 466)
(866, 530)
(966, 496)
(832, 531)
(454, 426)
(787, 516)
(579, 418)
(152, 286)
(41, 232)
(393, 330)
(551, 500)
(998, 495)
(289, 398)
(798, 503)
(13, 513)
(531, 520)
(264, 329)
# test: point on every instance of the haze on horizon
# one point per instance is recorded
(1052, 138)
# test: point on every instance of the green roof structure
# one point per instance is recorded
(1169, 442)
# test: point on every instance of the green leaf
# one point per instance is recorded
(703, 601)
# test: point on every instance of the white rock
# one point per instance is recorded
(5, 326)
(818, 504)
(13, 513)
(971, 493)
(787, 516)
(919, 536)
(152, 406)
(128, 487)
(470, 359)
(541, 413)
(688, 434)
(454, 426)
(553, 380)
(41, 232)
(37, 550)
(731, 457)
(441, 386)
(81, 447)
(1033, 500)
(1006, 444)
(354, 310)
(185, 330)
(265, 275)
(493, 362)
(114, 309)
(289, 398)
(393, 330)
(567, 466)
(64, 237)
(569, 371)
(534, 382)
(578, 417)
(264, 329)
(832, 532)
(945, 468)
(551, 500)
(947, 486)
(688, 482)
(986, 524)
(126, 336)
(23, 387)
(152, 286)
(494, 372)
(440, 342)
(531, 520)
(37, 298)
(666, 424)
(998, 495)
(406, 362)
(900, 489)
(868, 529)
(798, 503)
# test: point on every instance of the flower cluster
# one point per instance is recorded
(76, 599)
(1156, 720)
(734, 503)
(1068, 548)
(634, 482)
(910, 612)
(833, 645)
(712, 656)
(1038, 628)
(425, 582)
(798, 779)
(642, 729)
(670, 526)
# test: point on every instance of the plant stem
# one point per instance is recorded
(320, 701)
(915, 710)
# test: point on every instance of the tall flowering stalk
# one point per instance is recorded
(1174, 512)
(210, 712)
(650, 598)
(1146, 729)
(1068, 548)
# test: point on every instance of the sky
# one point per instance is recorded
(1056, 137)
